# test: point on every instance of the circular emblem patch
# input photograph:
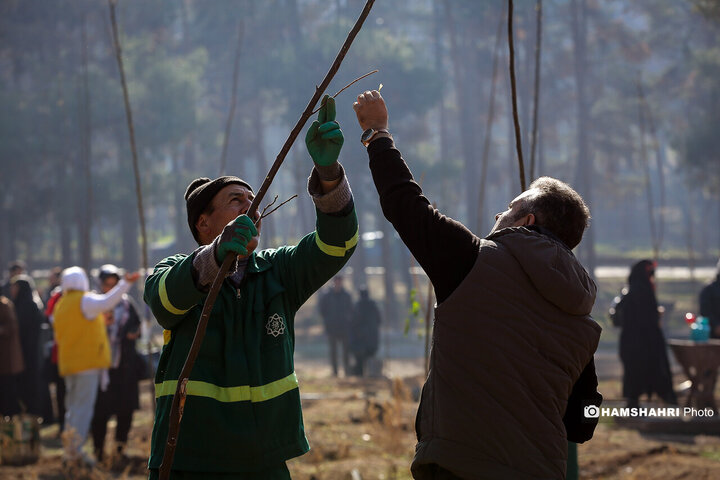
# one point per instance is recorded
(275, 325)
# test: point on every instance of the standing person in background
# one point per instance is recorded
(710, 304)
(642, 344)
(28, 310)
(336, 310)
(51, 364)
(15, 268)
(83, 351)
(511, 365)
(120, 397)
(11, 359)
(53, 284)
(364, 331)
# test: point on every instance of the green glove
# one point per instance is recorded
(235, 237)
(324, 138)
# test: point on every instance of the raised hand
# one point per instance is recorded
(237, 237)
(324, 139)
(371, 110)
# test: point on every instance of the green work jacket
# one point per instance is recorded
(242, 412)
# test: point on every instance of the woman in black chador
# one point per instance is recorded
(33, 390)
(642, 343)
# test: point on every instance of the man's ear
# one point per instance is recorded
(202, 225)
(529, 219)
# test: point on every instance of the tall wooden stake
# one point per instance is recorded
(658, 164)
(428, 328)
(131, 132)
(536, 103)
(488, 129)
(136, 168)
(178, 405)
(86, 149)
(233, 99)
(516, 119)
(646, 171)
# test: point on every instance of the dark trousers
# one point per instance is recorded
(280, 472)
(439, 473)
(335, 341)
(54, 377)
(9, 396)
(102, 415)
(360, 364)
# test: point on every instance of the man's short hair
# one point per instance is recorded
(17, 266)
(560, 209)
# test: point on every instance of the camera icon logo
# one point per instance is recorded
(591, 411)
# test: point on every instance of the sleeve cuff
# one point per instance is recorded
(335, 200)
(381, 144)
(206, 266)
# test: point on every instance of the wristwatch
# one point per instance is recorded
(368, 135)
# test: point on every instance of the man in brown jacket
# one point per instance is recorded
(511, 367)
(11, 359)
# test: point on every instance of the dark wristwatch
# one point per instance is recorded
(368, 135)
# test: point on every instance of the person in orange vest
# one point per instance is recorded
(83, 351)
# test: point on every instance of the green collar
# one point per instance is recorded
(258, 263)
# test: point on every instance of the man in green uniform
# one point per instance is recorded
(242, 417)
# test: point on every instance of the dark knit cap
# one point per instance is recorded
(200, 193)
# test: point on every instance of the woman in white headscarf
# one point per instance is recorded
(83, 350)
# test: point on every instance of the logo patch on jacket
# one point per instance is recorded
(275, 325)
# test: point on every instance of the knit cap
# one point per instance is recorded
(200, 193)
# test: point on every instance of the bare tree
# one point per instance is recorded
(488, 127)
(583, 173)
(654, 234)
(536, 94)
(233, 97)
(85, 223)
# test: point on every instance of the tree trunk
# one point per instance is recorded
(65, 250)
(536, 88)
(85, 124)
(541, 149)
(183, 237)
(445, 144)
(130, 245)
(583, 180)
(526, 81)
(405, 276)
(390, 302)
(269, 226)
(233, 97)
(305, 208)
(359, 263)
(511, 151)
(439, 55)
(464, 99)
(479, 227)
(689, 234)
(659, 164)
(6, 241)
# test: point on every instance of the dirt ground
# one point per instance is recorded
(366, 426)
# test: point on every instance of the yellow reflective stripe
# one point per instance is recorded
(242, 393)
(164, 297)
(167, 335)
(334, 251)
(273, 389)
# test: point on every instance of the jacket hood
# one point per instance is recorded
(74, 278)
(551, 267)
